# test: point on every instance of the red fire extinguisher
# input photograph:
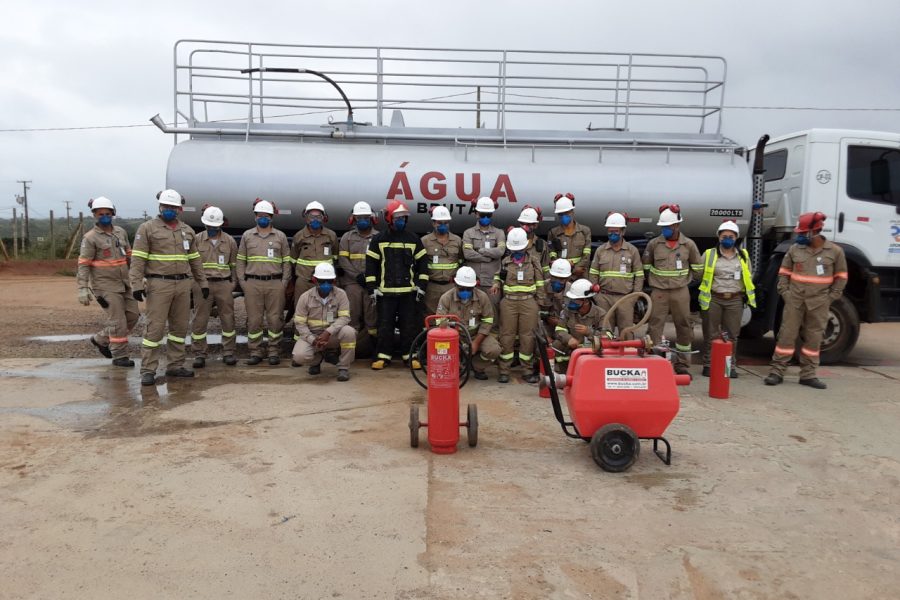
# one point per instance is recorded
(720, 367)
(442, 364)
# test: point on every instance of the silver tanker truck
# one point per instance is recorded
(628, 132)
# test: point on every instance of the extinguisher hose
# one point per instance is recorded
(627, 297)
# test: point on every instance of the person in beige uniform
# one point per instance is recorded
(445, 255)
(521, 280)
(264, 271)
(352, 275)
(727, 281)
(578, 322)
(103, 275)
(322, 319)
(570, 240)
(813, 274)
(218, 251)
(476, 311)
(165, 255)
(529, 220)
(483, 247)
(617, 269)
(673, 261)
(312, 245)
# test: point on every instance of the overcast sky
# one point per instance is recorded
(95, 63)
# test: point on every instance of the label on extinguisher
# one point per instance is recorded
(441, 367)
(626, 379)
(442, 347)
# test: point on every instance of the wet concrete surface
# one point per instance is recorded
(267, 482)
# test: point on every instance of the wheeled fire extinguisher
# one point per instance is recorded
(442, 364)
(720, 362)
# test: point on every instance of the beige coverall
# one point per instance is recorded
(523, 292)
(315, 314)
(219, 261)
(308, 249)
(565, 331)
(478, 317)
(264, 269)
(352, 279)
(444, 257)
(575, 247)
(618, 272)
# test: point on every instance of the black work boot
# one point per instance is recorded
(104, 350)
(229, 360)
(179, 372)
(705, 371)
(199, 362)
(254, 360)
(314, 369)
(814, 382)
(148, 378)
(274, 360)
(343, 375)
(122, 361)
(773, 379)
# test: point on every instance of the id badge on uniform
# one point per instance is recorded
(329, 316)
(327, 250)
(186, 244)
(737, 275)
(564, 253)
(221, 259)
(436, 259)
(520, 275)
(487, 244)
(270, 252)
(623, 268)
(471, 322)
(820, 269)
(678, 264)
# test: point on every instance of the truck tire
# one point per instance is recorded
(841, 332)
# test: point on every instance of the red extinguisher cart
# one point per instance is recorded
(446, 372)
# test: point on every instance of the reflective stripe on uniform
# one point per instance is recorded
(198, 336)
(226, 267)
(101, 263)
(117, 340)
(815, 279)
(312, 263)
(165, 257)
(348, 345)
(254, 335)
(519, 289)
(784, 351)
(662, 273)
(612, 274)
(175, 338)
(683, 348)
(811, 353)
(150, 343)
(274, 335)
(228, 333)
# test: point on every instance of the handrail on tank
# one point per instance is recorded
(536, 87)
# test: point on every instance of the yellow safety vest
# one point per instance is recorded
(709, 269)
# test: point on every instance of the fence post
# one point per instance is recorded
(52, 241)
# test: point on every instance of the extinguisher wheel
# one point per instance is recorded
(414, 426)
(615, 447)
(472, 425)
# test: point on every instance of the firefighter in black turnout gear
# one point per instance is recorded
(396, 277)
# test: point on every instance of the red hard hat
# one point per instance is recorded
(810, 221)
(392, 207)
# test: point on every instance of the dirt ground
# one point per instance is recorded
(267, 482)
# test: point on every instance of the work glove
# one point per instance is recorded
(85, 296)
(205, 292)
(102, 302)
(375, 295)
(138, 295)
(420, 294)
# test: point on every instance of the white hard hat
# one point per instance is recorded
(465, 277)
(561, 268)
(517, 239)
(615, 220)
(440, 213)
(485, 205)
(668, 217)
(362, 209)
(580, 289)
(728, 226)
(529, 216)
(564, 205)
(170, 198)
(212, 216)
(101, 202)
(314, 205)
(324, 271)
(264, 206)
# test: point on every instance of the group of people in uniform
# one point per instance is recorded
(501, 285)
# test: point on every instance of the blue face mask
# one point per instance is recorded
(668, 232)
(400, 224)
(518, 255)
(565, 220)
(557, 286)
(484, 221)
(363, 224)
(728, 243)
(315, 224)
(212, 231)
(803, 240)
(169, 214)
(263, 222)
(614, 238)
(573, 305)
(442, 228)
(464, 295)
(104, 220)
(325, 288)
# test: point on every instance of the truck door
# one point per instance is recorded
(868, 199)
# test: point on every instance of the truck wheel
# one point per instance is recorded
(841, 332)
(615, 447)
(472, 425)
(414, 426)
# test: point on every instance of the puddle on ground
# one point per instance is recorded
(121, 406)
(212, 338)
